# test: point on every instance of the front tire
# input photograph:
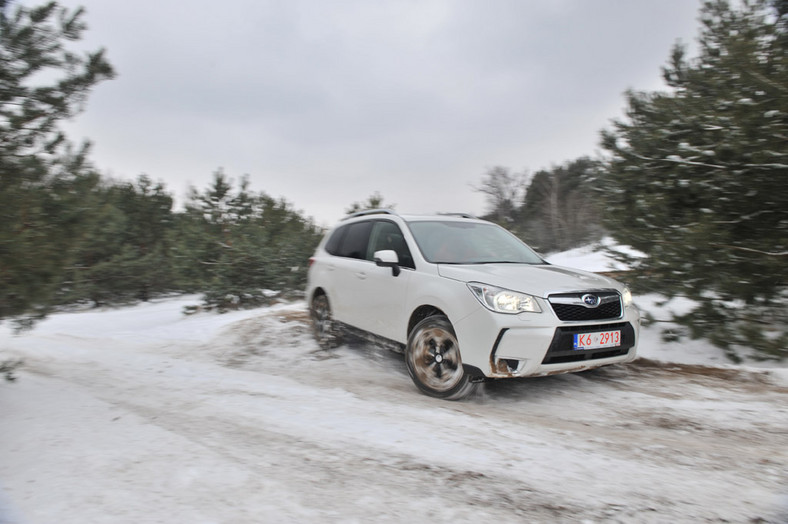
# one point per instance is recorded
(433, 360)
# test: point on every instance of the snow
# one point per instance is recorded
(594, 257)
(144, 414)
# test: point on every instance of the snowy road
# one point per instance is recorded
(144, 415)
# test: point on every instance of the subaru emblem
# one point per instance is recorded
(590, 300)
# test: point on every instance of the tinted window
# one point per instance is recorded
(332, 246)
(387, 235)
(354, 242)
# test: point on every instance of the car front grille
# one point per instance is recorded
(571, 307)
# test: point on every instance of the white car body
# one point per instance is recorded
(381, 295)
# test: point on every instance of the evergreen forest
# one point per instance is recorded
(694, 176)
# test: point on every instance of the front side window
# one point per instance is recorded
(453, 242)
(387, 235)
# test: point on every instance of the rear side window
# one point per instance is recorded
(332, 246)
(354, 245)
(350, 240)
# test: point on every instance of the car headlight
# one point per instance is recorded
(626, 297)
(503, 300)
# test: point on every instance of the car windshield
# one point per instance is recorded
(455, 242)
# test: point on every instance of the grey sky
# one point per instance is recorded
(325, 102)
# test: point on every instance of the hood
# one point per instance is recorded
(539, 280)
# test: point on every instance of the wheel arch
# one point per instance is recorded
(422, 312)
(316, 293)
(427, 310)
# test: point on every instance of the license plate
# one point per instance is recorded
(602, 339)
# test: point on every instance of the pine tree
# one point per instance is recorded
(43, 180)
(696, 178)
(374, 201)
(124, 252)
(237, 246)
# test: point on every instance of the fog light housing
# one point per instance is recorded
(508, 366)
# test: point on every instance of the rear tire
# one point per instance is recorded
(325, 329)
(433, 360)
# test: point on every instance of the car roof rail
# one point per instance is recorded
(371, 212)
(461, 215)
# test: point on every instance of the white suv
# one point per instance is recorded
(465, 300)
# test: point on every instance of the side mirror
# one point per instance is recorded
(388, 258)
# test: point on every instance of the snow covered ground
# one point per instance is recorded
(143, 414)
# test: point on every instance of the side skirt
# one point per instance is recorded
(371, 338)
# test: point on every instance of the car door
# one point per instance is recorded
(347, 271)
(383, 294)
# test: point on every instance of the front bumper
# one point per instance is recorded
(503, 346)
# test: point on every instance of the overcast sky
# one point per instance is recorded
(324, 102)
